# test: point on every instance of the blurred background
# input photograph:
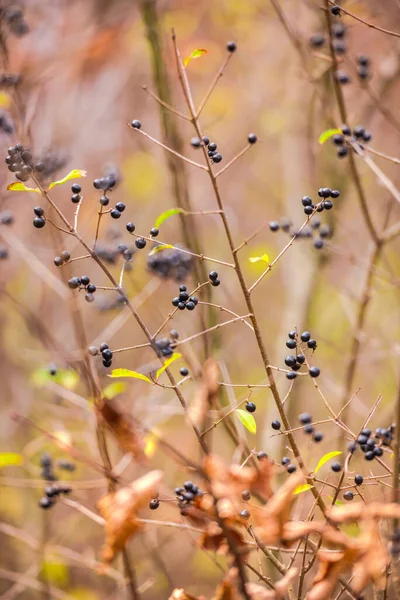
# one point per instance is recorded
(81, 68)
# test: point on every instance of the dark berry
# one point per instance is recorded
(292, 334)
(291, 375)
(348, 495)
(115, 214)
(182, 288)
(358, 479)
(305, 336)
(306, 201)
(65, 255)
(39, 222)
(250, 407)
(352, 447)
(342, 77)
(217, 157)
(291, 468)
(107, 354)
(45, 502)
(370, 455)
(104, 200)
(338, 139)
(212, 146)
(252, 138)
(216, 282)
(342, 152)
(308, 429)
(335, 194)
(312, 344)
(154, 504)
(291, 344)
(107, 363)
(290, 360)
(318, 244)
(261, 455)
(336, 467)
(335, 10)
(130, 227)
(74, 283)
(175, 301)
(206, 140)
(367, 137)
(194, 299)
(136, 124)
(276, 425)
(181, 305)
(378, 451)
(285, 461)
(154, 232)
(104, 346)
(300, 358)
(75, 198)
(318, 436)
(140, 243)
(308, 210)
(359, 131)
(76, 188)
(314, 372)
(195, 142)
(183, 296)
(184, 372)
(245, 514)
(120, 206)
(85, 280)
(305, 418)
(246, 495)
(91, 288)
(273, 225)
(58, 261)
(328, 205)
(89, 297)
(231, 46)
(190, 305)
(317, 40)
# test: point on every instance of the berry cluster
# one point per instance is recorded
(46, 462)
(20, 161)
(126, 253)
(306, 420)
(187, 493)
(371, 443)
(51, 492)
(14, 17)
(165, 345)
(170, 264)
(105, 351)
(325, 204)
(363, 65)
(314, 230)
(115, 212)
(39, 221)
(290, 467)
(184, 300)
(62, 259)
(213, 277)
(76, 193)
(214, 155)
(342, 140)
(105, 183)
(295, 362)
(83, 283)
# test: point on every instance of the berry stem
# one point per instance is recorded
(234, 159)
(165, 104)
(371, 25)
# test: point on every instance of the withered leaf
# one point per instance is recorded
(205, 393)
(124, 428)
(119, 510)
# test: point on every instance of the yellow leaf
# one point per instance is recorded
(10, 459)
(56, 573)
(195, 54)
(255, 259)
(5, 100)
(325, 459)
(160, 247)
(74, 174)
(166, 214)
(247, 420)
(128, 373)
(168, 362)
(18, 186)
(302, 488)
(114, 389)
(326, 135)
(150, 444)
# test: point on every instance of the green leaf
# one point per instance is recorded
(247, 420)
(10, 459)
(255, 259)
(64, 377)
(55, 572)
(167, 214)
(195, 54)
(168, 362)
(128, 373)
(337, 502)
(114, 389)
(18, 186)
(326, 135)
(160, 247)
(325, 459)
(74, 174)
(302, 488)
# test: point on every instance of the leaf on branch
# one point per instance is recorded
(325, 459)
(159, 248)
(195, 54)
(129, 373)
(74, 174)
(125, 430)
(247, 420)
(205, 394)
(10, 459)
(18, 186)
(302, 488)
(167, 363)
(255, 259)
(119, 510)
(326, 135)
(167, 214)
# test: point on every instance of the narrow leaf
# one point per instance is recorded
(326, 135)
(325, 459)
(168, 362)
(167, 214)
(150, 444)
(255, 259)
(74, 174)
(195, 54)
(160, 247)
(9, 459)
(18, 186)
(128, 373)
(114, 389)
(302, 488)
(247, 420)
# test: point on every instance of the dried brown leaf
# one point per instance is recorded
(205, 393)
(125, 430)
(180, 594)
(259, 592)
(119, 509)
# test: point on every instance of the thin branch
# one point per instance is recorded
(371, 25)
(234, 159)
(214, 82)
(165, 104)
